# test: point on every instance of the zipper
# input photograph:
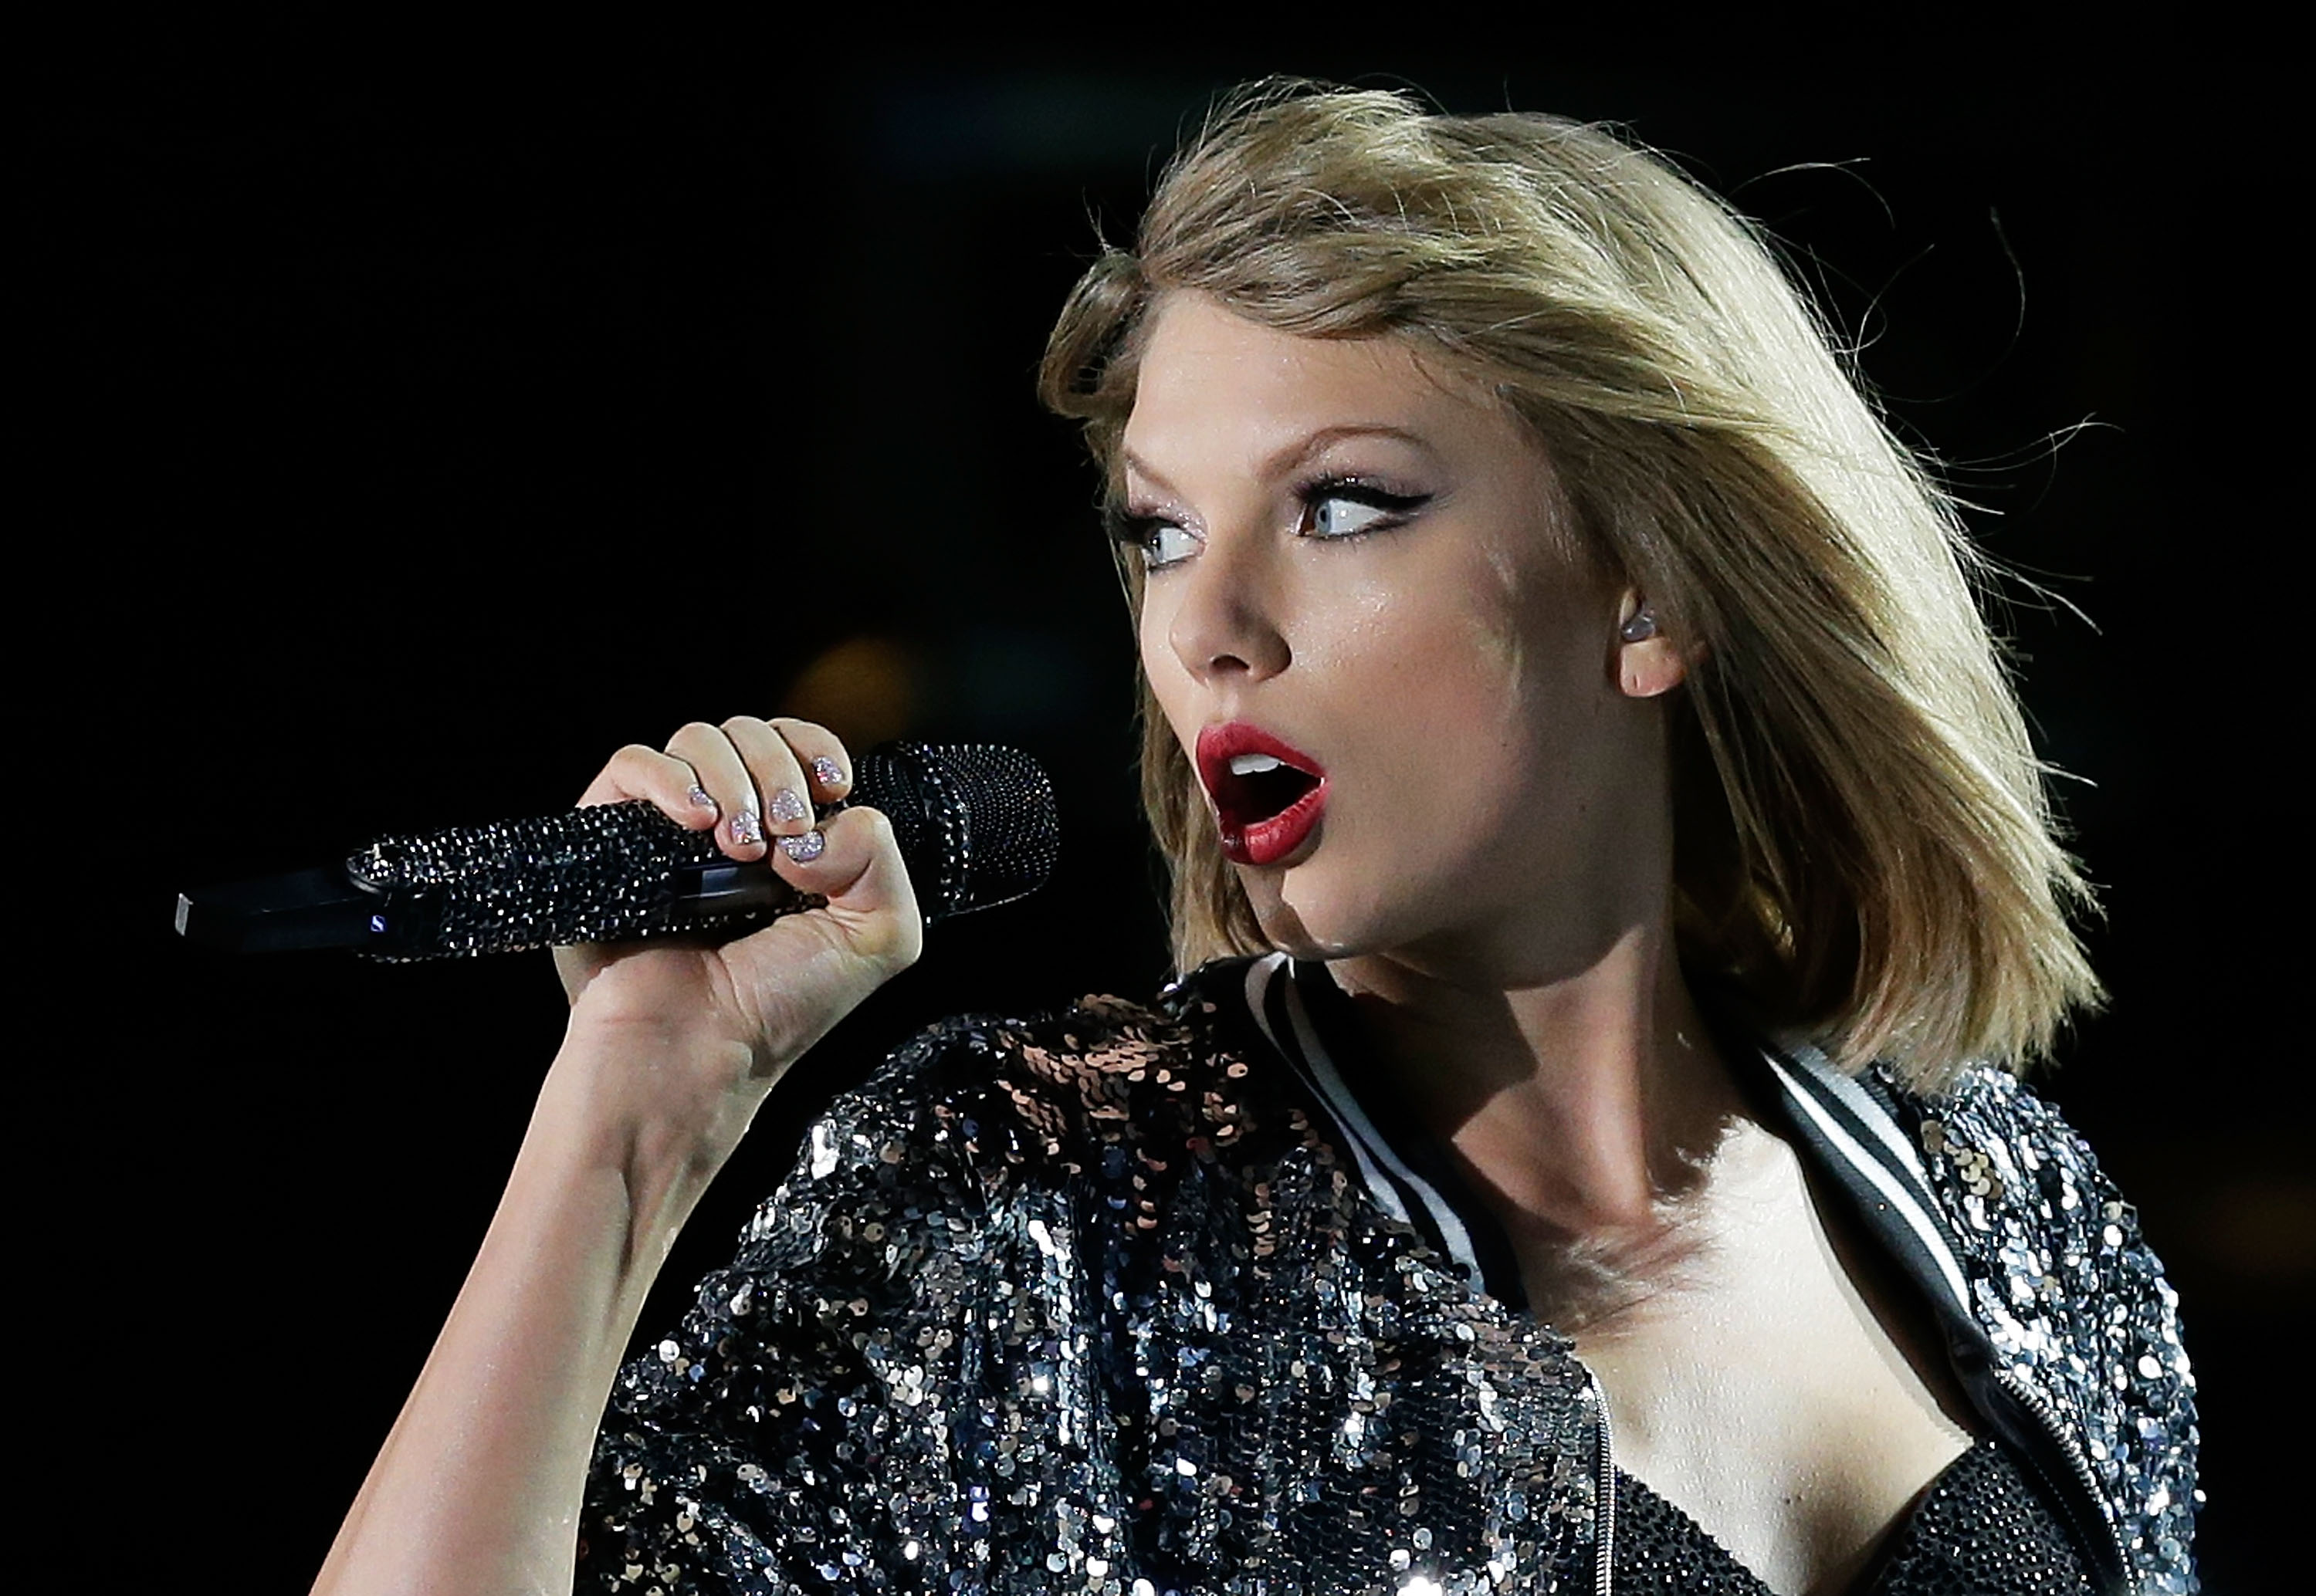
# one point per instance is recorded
(2039, 1407)
(2046, 1416)
(1604, 1512)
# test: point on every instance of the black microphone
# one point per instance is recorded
(974, 822)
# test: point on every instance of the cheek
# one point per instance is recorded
(1484, 699)
(1164, 673)
(1443, 659)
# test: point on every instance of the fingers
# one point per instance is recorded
(764, 779)
(854, 862)
(757, 780)
(784, 790)
(721, 772)
(639, 772)
(824, 758)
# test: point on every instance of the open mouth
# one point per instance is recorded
(1267, 795)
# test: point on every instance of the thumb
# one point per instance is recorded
(854, 862)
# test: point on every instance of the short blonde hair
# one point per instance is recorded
(1863, 841)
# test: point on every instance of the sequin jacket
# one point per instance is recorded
(1133, 1300)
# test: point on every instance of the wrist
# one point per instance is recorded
(660, 1108)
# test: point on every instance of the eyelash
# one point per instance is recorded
(1141, 531)
(1396, 507)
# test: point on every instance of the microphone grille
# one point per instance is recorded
(975, 821)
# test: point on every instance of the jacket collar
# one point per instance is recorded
(1844, 1126)
(1849, 1128)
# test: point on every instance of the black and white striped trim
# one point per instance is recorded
(1853, 1136)
(1858, 1143)
(1276, 1003)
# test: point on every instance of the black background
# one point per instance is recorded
(409, 436)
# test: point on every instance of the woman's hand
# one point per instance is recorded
(721, 1023)
(670, 1048)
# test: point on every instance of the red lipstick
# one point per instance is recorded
(1267, 794)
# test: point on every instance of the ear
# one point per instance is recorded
(1648, 662)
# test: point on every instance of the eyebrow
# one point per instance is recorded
(1281, 461)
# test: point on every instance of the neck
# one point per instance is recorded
(1583, 1109)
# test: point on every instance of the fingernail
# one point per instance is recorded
(699, 798)
(788, 804)
(829, 773)
(746, 828)
(804, 849)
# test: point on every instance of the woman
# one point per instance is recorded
(1611, 877)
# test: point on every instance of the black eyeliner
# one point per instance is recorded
(1133, 530)
(1397, 509)
(1359, 491)
(1140, 533)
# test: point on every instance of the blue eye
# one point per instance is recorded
(1161, 543)
(1168, 545)
(1345, 509)
(1339, 517)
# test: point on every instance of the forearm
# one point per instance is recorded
(672, 1047)
(478, 1486)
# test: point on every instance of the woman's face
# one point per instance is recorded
(1367, 623)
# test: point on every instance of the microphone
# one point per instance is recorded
(974, 822)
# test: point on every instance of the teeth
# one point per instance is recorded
(1252, 764)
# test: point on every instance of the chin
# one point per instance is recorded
(1309, 912)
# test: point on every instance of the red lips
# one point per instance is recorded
(1263, 815)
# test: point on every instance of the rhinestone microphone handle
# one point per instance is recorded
(975, 824)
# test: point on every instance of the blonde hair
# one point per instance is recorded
(1863, 842)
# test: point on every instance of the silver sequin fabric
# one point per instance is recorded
(1088, 1303)
(2075, 1304)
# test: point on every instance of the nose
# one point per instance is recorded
(1224, 622)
